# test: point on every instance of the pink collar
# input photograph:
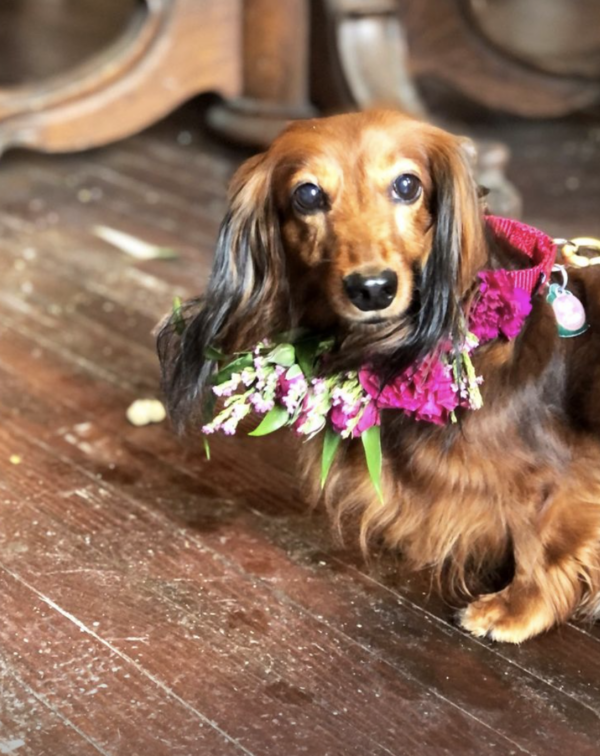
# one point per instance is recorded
(532, 242)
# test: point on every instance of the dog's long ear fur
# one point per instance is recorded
(458, 246)
(457, 253)
(245, 300)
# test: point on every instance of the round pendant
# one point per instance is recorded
(568, 311)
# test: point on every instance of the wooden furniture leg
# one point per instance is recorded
(172, 50)
(372, 55)
(276, 49)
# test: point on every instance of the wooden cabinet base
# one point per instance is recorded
(172, 50)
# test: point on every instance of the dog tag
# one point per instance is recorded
(568, 310)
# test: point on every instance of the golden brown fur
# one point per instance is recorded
(517, 480)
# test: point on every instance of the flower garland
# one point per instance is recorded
(281, 381)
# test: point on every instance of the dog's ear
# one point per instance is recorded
(244, 302)
(458, 246)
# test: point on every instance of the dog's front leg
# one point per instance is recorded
(557, 564)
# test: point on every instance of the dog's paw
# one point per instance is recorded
(495, 616)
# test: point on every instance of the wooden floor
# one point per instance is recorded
(156, 603)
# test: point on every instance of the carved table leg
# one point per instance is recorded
(275, 89)
(173, 50)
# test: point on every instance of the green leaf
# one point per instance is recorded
(331, 443)
(213, 354)
(306, 354)
(371, 439)
(177, 316)
(294, 372)
(206, 447)
(272, 421)
(284, 355)
(233, 367)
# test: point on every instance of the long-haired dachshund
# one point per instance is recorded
(369, 227)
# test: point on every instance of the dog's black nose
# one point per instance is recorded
(375, 292)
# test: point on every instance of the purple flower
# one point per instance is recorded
(287, 385)
(229, 387)
(369, 417)
(344, 399)
(229, 427)
(370, 382)
(260, 404)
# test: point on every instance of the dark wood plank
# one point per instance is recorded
(115, 705)
(28, 724)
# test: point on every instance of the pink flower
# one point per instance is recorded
(312, 416)
(318, 385)
(500, 309)
(290, 392)
(341, 418)
(370, 382)
(284, 384)
(368, 419)
(260, 404)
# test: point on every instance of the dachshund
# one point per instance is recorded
(369, 227)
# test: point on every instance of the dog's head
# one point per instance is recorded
(365, 226)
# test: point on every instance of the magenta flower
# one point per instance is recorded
(341, 418)
(501, 307)
(427, 392)
(370, 382)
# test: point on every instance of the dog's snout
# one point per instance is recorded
(374, 292)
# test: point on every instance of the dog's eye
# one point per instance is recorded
(406, 188)
(309, 198)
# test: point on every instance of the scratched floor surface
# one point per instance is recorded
(155, 603)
